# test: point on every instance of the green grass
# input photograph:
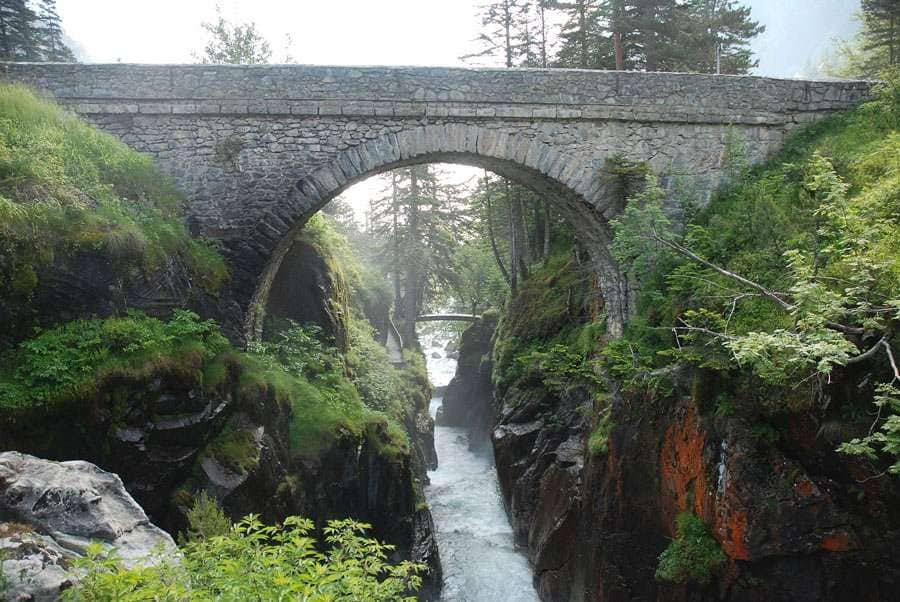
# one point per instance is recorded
(66, 188)
(234, 449)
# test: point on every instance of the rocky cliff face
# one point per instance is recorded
(792, 517)
(468, 399)
(795, 520)
(197, 425)
(51, 511)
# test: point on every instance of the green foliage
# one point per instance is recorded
(299, 370)
(300, 350)
(67, 188)
(546, 335)
(780, 275)
(887, 438)
(398, 392)
(258, 562)
(71, 361)
(693, 556)
(233, 43)
(598, 442)
(559, 369)
(206, 519)
(479, 283)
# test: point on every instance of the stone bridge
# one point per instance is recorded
(258, 149)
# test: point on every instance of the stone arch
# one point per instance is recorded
(572, 180)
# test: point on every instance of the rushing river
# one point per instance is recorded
(478, 556)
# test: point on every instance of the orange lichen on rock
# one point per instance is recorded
(733, 527)
(839, 542)
(805, 488)
(683, 482)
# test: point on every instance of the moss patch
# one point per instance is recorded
(693, 556)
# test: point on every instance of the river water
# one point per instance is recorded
(478, 554)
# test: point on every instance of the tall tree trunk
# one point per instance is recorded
(490, 227)
(413, 287)
(546, 232)
(618, 27)
(542, 12)
(396, 269)
(537, 233)
(507, 26)
(521, 238)
(583, 35)
(513, 243)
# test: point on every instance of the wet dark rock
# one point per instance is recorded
(468, 400)
(794, 519)
(308, 290)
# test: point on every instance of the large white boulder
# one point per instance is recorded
(53, 510)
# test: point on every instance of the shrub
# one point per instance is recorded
(72, 360)
(598, 442)
(257, 562)
(693, 556)
(560, 369)
(206, 519)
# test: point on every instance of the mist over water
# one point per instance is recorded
(478, 555)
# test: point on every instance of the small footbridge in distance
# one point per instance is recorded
(448, 318)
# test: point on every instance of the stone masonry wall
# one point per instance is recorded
(258, 149)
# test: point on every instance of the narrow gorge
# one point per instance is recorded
(531, 334)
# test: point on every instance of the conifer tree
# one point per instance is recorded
(718, 35)
(657, 35)
(420, 223)
(32, 31)
(50, 36)
(17, 33)
(881, 30)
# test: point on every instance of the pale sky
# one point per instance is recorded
(335, 32)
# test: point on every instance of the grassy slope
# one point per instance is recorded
(67, 188)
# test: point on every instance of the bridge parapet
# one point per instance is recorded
(537, 94)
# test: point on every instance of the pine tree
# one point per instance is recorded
(29, 33)
(506, 34)
(50, 36)
(718, 36)
(583, 40)
(420, 223)
(18, 41)
(657, 35)
(881, 30)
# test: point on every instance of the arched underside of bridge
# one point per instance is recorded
(569, 181)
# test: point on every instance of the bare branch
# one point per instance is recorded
(773, 295)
